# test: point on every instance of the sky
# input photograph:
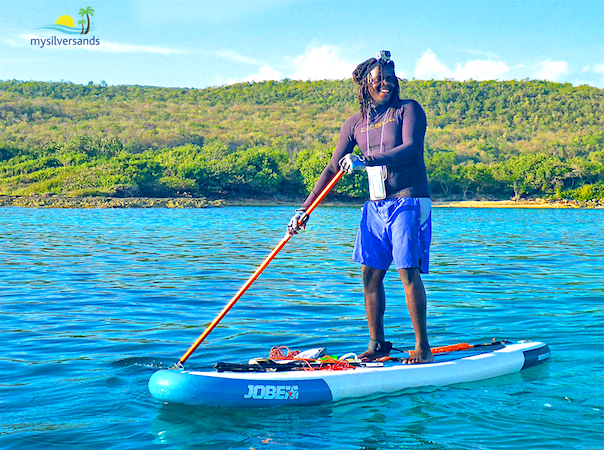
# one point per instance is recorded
(197, 44)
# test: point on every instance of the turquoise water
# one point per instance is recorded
(92, 300)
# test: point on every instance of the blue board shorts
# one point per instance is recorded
(399, 230)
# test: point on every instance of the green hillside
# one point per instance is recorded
(495, 139)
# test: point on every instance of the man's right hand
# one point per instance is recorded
(297, 221)
(350, 163)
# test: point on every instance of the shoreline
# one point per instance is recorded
(55, 201)
(106, 202)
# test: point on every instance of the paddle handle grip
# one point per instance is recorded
(257, 273)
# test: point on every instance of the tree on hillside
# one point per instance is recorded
(439, 166)
(476, 177)
(532, 174)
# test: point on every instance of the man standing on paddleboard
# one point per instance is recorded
(396, 222)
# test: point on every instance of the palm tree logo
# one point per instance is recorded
(86, 12)
(67, 25)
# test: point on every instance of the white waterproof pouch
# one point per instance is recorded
(377, 187)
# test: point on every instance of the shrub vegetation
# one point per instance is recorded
(484, 139)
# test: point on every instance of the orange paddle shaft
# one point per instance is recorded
(259, 270)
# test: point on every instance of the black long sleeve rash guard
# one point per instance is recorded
(396, 140)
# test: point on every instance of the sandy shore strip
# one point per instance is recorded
(522, 203)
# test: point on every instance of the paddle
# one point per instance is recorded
(257, 273)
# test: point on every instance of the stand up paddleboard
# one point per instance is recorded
(266, 382)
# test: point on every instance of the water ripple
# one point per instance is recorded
(92, 301)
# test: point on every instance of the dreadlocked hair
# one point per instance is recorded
(359, 76)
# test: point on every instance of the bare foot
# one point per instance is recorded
(419, 356)
(371, 355)
(376, 350)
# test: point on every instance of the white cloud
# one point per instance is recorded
(430, 67)
(590, 71)
(317, 63)
(596, 68)
(266, 73)
(552, 70)
(480, 70)
(322, 63)
(115, 47)
(232, 56)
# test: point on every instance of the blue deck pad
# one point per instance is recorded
(459, 354)
(183, 387)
